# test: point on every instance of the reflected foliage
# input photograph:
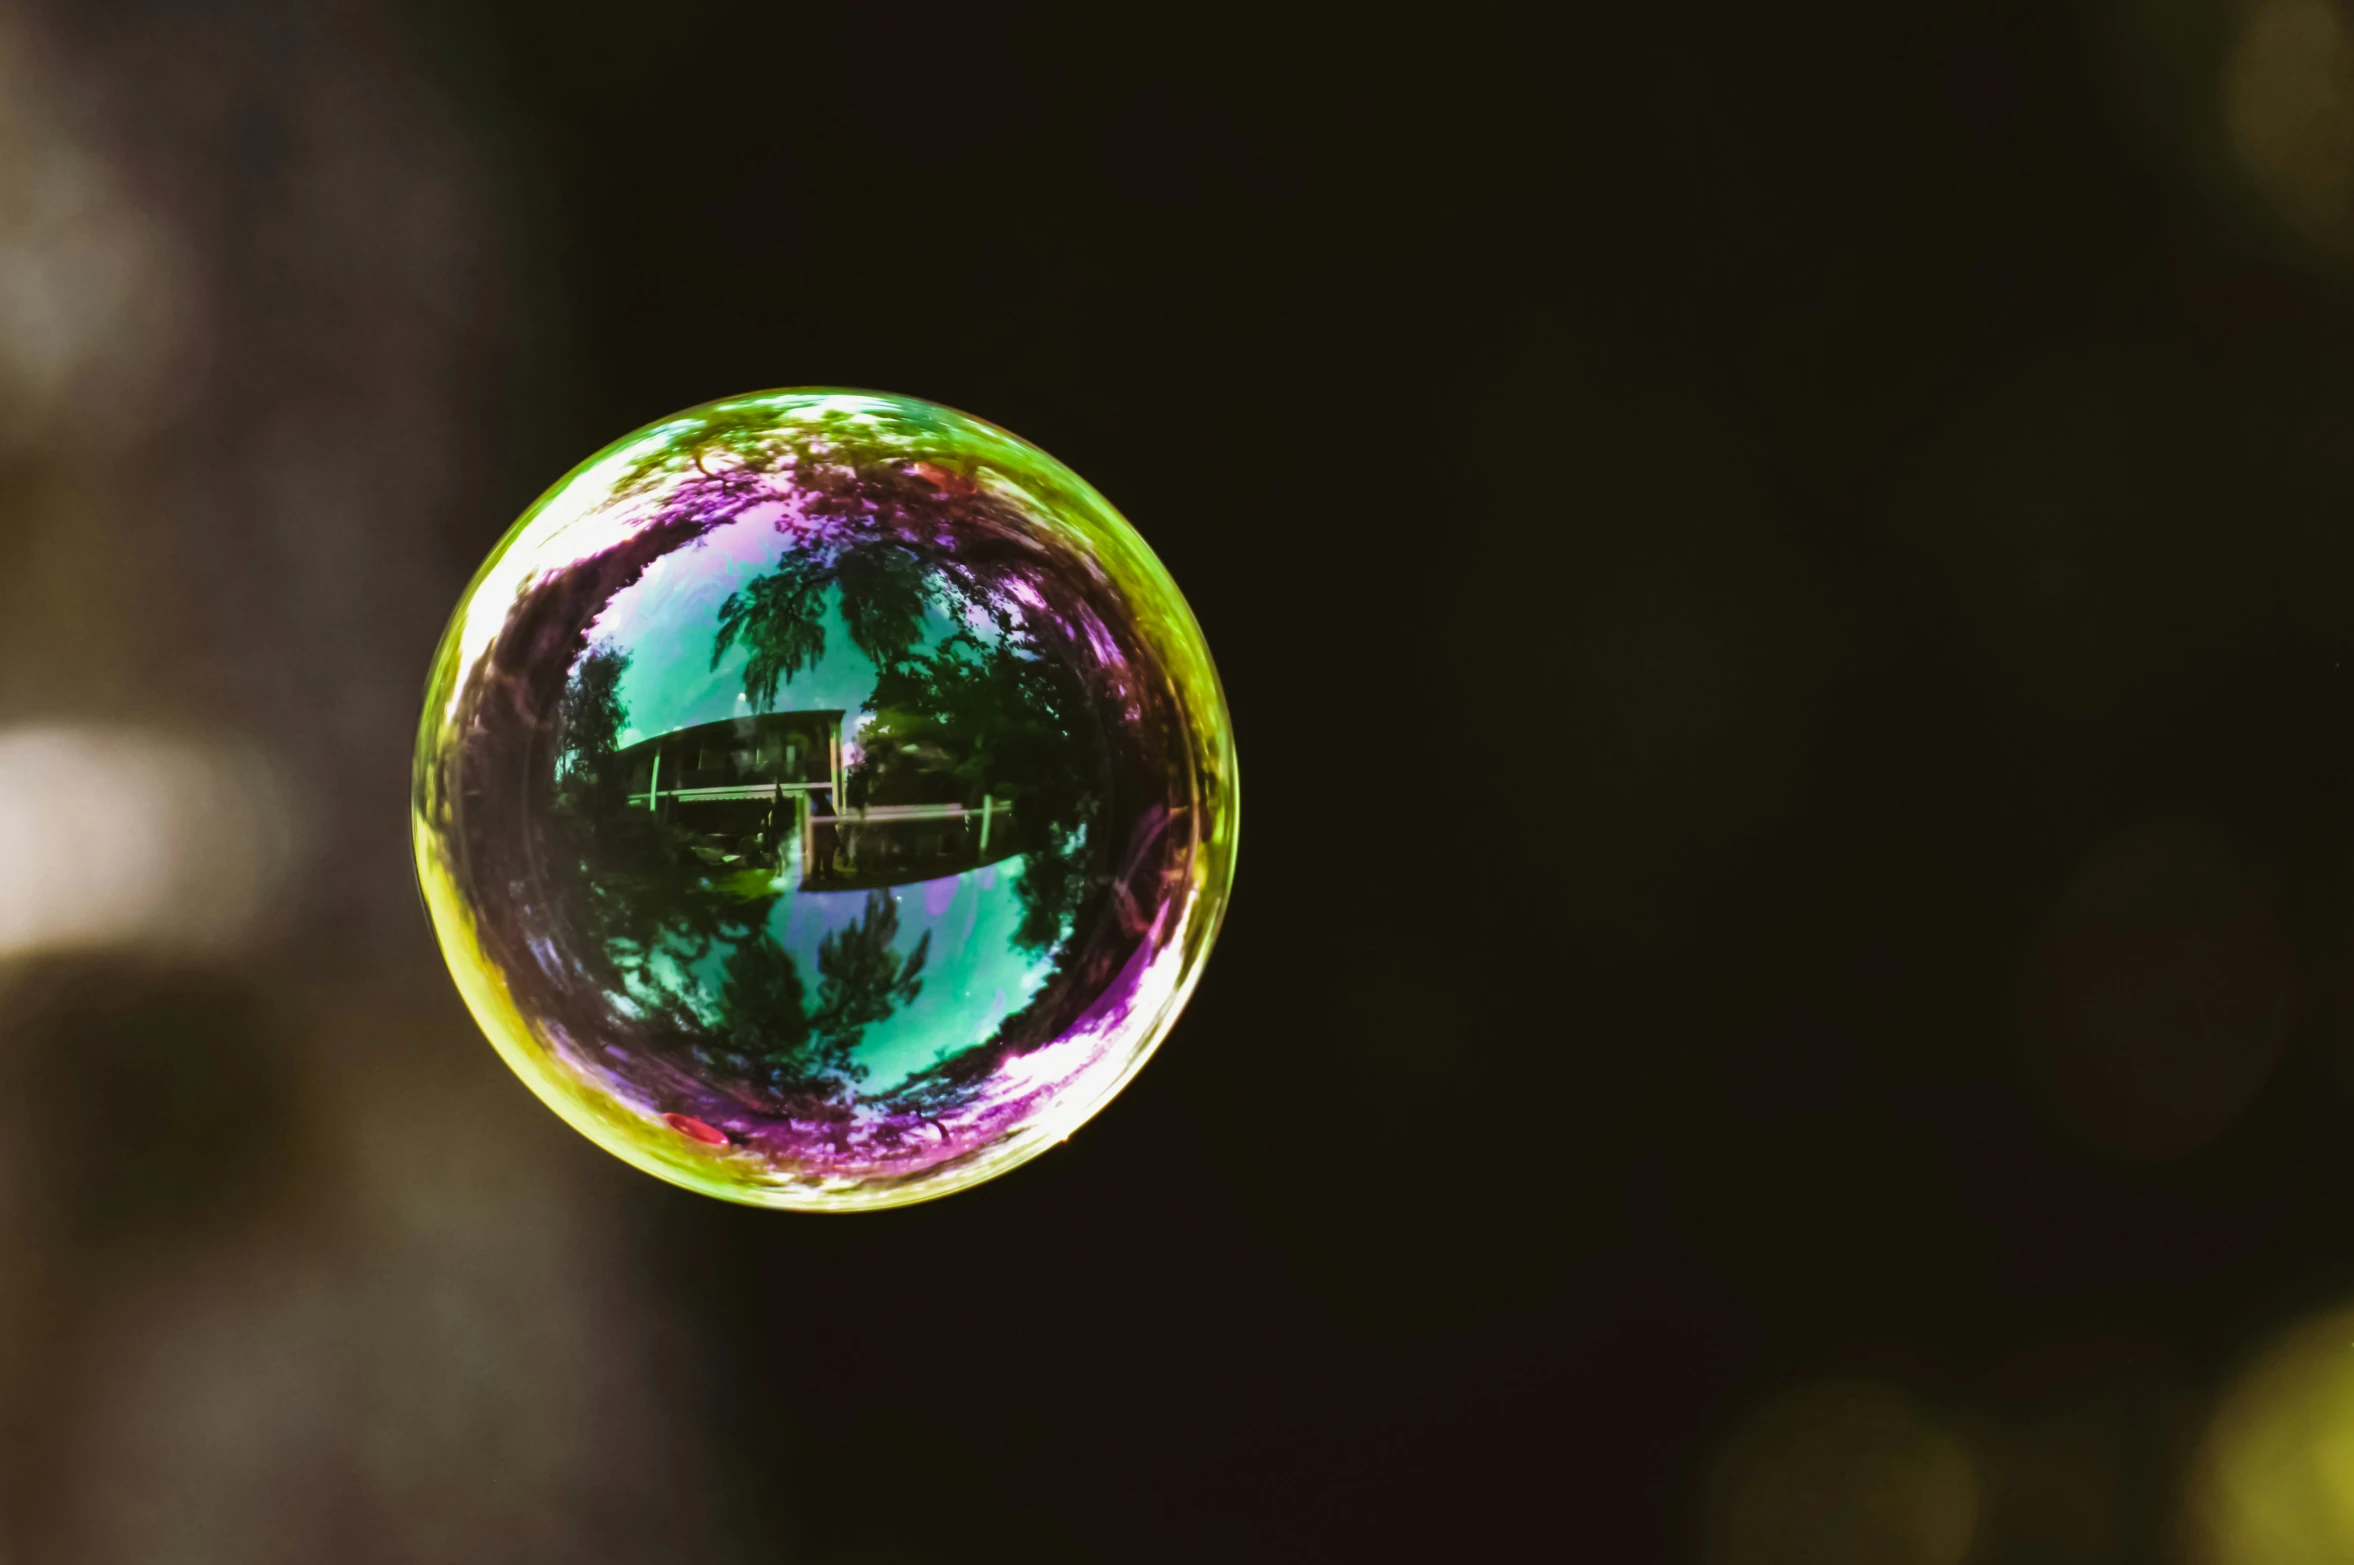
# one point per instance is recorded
(589, 720)
(657, 907)
(779, 617)
(986, 717)
(1002, 721)
(767, 1032)
(864, 982)
(996, 710)
(882, 600)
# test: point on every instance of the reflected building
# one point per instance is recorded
(773, 792)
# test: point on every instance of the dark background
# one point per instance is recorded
(1784, 577)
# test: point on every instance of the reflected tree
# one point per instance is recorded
(883, 598)
(779, 617)
(779, 620)
(589, 719)
(996, 712)
(766, 1027)
(1012, 724)
(863, 981)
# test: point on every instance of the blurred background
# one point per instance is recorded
(1786, 577)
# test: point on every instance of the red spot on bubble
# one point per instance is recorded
(695, 1130)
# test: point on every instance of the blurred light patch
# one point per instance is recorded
(2288, 112)
(92, 297)
(2273, 1483)
(1841, 1472)
(129, 838)
(2162, 995)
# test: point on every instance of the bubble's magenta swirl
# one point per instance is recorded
(824, 799)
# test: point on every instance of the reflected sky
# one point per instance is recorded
(669, 618)
(973, 978)
(667, 625)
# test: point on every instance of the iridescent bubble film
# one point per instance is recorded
(824, 799)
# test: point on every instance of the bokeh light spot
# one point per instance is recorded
(125, 837)
(2274, 1480)
(2288, 109)
(93, 291)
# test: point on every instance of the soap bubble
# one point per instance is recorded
(824, 799)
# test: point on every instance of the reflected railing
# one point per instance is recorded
(771, 790)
